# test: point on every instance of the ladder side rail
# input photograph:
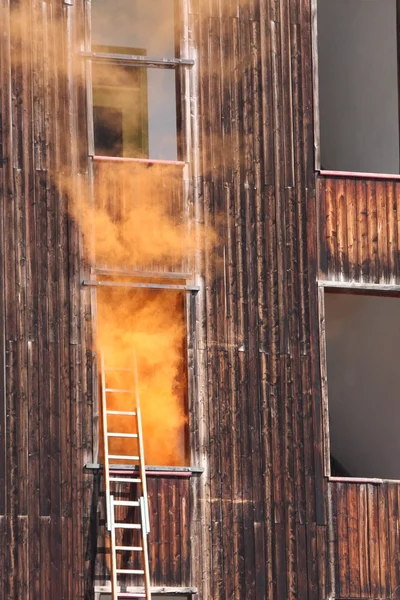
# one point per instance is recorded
(143, 510)
(114, 583)
(105, 441)
(141, 445)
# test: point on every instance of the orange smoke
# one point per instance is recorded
(150, 324)
(137, 221)
(136, 218)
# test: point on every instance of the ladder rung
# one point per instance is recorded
(127, 526)
(123, 435)
(126, 479)
(122, 457)
(126, 502)
(118, 391)
(125, 413)
(130, 571)
(131, 595)
(130, 548)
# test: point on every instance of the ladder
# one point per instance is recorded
(133, 430)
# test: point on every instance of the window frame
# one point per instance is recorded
(316, 104)
(180, 64)
(183, 593)
(368, 288)
(173, 283)
(187, 69)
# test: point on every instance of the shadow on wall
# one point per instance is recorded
(363, 342)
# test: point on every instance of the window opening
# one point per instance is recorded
(150, 323)
(362, 341)
(136, 109)
(358, 85)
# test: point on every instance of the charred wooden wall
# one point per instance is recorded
(45, 352)
(169, 548)
(359, 239)
(259, 513)
(265, 500)
(358, 242)
(365, 538)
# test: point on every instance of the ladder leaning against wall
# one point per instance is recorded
(133, 430)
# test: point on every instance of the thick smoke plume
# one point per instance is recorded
(135, 218)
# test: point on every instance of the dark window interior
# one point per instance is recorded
(358, 85)
(362, 345)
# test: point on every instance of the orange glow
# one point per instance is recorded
(150, 324)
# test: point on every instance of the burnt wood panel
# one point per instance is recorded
(358, 229)
(265, 490)
(45, 382)
(254, 525)
(364, 542)
(168, 538)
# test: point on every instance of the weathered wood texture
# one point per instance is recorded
(45, 351)
(359, 230)
(265, 492)
(258, 524)
(365, 541)
(169, 540)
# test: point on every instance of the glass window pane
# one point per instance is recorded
(135, 113)
(362, 341)
(358, 85)
(146, 24)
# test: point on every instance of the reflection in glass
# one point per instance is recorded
(134, 110)
(148, 24)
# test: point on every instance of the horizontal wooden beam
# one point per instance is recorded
(358, 286)
(143, 161)
(104, 589)
(354, 174)
(151, 286)
(134, 59)
(369, 480)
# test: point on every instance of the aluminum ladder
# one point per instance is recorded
(133, 423)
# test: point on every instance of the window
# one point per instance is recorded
(150, 324)
(358, 85)
(135, 105)
(362, 345)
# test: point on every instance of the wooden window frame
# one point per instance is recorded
(180, 64)
(367, 288)
(188, 70)
(172, 283)
(316, 103)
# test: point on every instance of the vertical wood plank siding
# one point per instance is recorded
(45, 352)
(257, 517)
(169, 526)
(265, 486)
(366, 540)
(359, 230)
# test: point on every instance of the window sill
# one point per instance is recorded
(368, 480)
(151, 470)
(357, 175)
(141, 161)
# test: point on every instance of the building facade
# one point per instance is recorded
(165, 158)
